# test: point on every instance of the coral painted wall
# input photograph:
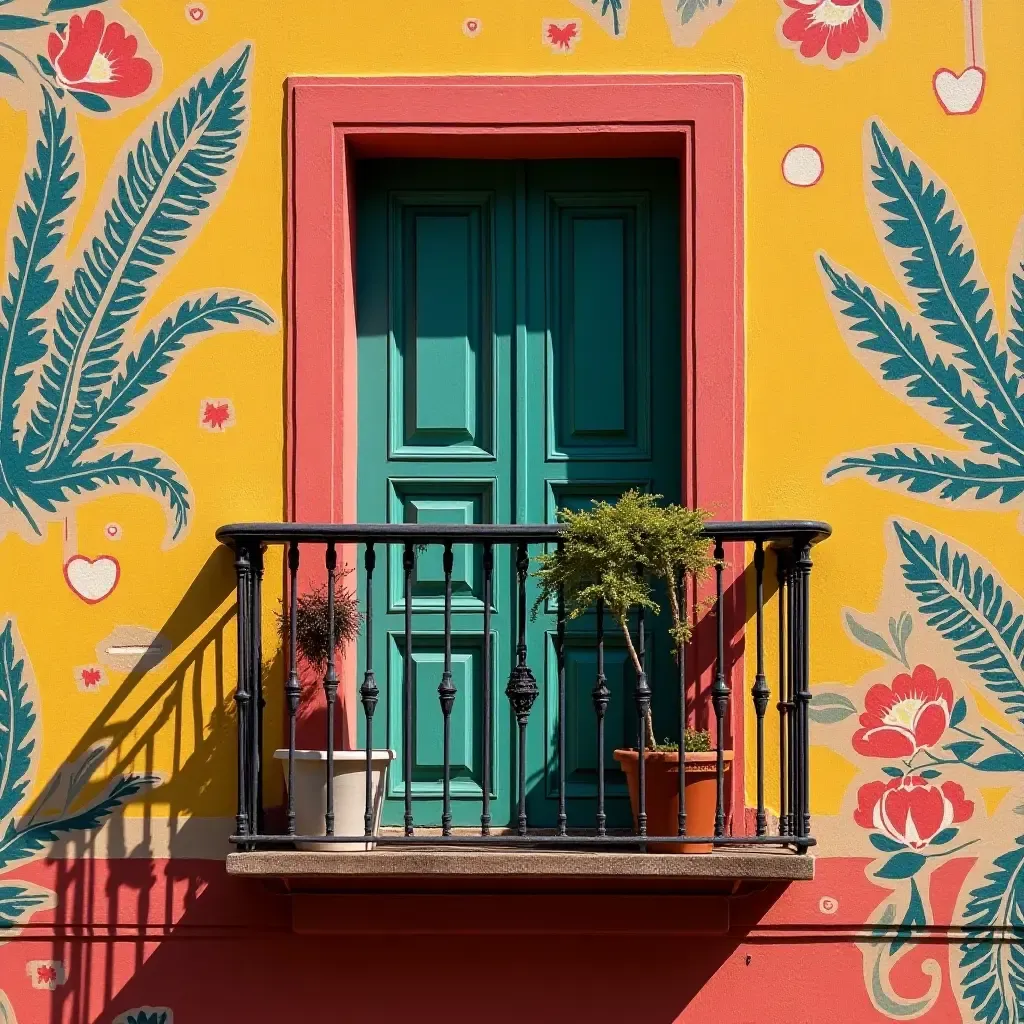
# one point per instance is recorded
(141, 406)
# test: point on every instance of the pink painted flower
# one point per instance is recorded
(910, 810)
(835, 26)
(97, 57)
(901, 719)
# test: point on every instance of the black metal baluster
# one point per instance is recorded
(797, 756)
(719, 690)
(791, 753)
(681, 664)
(292, 690)
(760, 692)
(408, 562)
(259, 701)
(369, 692)
(522, 685)
(330, 686)
(784, 794)
(560, 654)
(803, 695)
(488, 724)
(446, 695)
(243, 571)
(600, 695)
(643, 706)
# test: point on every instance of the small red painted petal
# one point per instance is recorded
(962, 807)
(861, 22)
(867, 797)
(83, 40)
(883, 741)
(54, 43)
(930, 724)
(131, 78)
(879, 699)
(796, 25)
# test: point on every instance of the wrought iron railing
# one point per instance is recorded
(780, 554)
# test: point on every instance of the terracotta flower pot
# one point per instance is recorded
(661, 770)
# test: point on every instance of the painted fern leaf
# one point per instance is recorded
(18, 902)
(152, 363)
(922, 471)
(992, 962)
(31, 282)
(1015, 320)
(876, 326)
(21, 843)
(169, 182)
(972, 609)
(17, 725)
(931, 250)
(116, 468)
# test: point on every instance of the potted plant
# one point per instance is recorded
(311, 638)
(615, 553)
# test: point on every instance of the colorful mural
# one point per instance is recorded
(70, 802)
(947, 360)
(121, 221)
(71, 371)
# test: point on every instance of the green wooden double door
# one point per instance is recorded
(518, 327)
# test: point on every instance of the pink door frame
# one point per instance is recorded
(331, 122)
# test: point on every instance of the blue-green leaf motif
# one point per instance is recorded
(21, 843)
(940, 270)
(992, 962)
(31, 281)
(972, 609)
(17, 724)
(946, 356)
(169, 181)
(18, 902)
(89, 374)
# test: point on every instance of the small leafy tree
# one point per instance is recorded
(615, 552)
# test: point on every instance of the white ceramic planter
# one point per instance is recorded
(349, 778)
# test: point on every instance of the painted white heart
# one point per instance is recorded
(959, 94)
(92, 579)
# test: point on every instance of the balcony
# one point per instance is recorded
(486, 726)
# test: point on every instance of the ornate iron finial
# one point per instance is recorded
(522, 691)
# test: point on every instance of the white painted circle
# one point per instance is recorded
(828, 904)
(803, 166)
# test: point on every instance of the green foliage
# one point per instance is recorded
(312, 620)
(613, 552)
(694, 741)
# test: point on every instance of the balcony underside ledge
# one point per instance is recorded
(631, 870)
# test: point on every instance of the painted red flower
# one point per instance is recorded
(91, 676)
(216, 415)
(561, 36)
(901, 719)
(94, 56)
(46, 975)
(837, 26)
(910, 810)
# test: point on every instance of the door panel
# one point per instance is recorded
(434, 312)
(512, 316)
(603, 314)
